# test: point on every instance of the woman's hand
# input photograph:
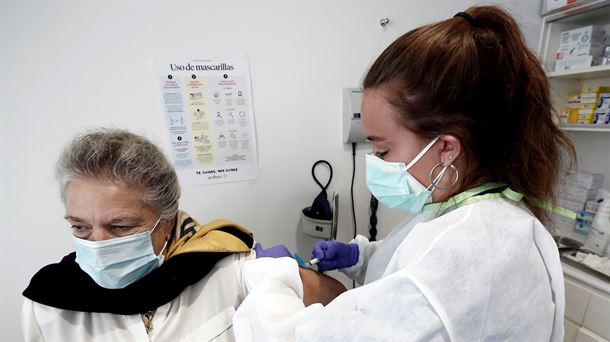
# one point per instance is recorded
(333, 255)
(278, 251)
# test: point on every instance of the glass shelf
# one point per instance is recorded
(599, 71)
(586, 128)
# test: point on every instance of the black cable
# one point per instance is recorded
(352, 189)
(373, 220)
(352, 195)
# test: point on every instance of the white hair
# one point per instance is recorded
(124, 158)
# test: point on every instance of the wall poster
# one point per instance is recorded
(210, 119)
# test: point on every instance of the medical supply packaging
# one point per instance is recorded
(582, 47)
(579, 194)
(591, 106)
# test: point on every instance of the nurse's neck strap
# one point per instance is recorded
(486, 191)
(469, 196)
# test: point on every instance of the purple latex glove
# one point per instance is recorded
(278, 251)
(334, 255)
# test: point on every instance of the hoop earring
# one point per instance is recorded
(435, 183)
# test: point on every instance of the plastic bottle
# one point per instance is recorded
(599, 234)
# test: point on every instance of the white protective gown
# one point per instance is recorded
(488, 270)
(202, 312)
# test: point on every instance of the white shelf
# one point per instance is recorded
(586, 128)
(590, 141)
(599, 71)
(574, 10)
(583, 13)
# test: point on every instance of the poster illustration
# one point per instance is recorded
(210, 119)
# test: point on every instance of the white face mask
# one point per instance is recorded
(116, 263)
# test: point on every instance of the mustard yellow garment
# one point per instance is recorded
(190, 236)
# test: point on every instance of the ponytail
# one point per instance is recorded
(473, 77)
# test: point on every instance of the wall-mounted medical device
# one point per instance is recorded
(352, 126)
(323, 229)
(320, 219)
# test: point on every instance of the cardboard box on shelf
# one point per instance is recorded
(584, 219)
(591, 98)
(585, 180)
(594, 34)
(585, 119)
(595, 51)
(563, 114)
(602, 112)
(573, 115)
(585, 116)
(582, 47)
(563, 225)
(604, 101)
(569, 114)
(573, 100)
(596, 89)
(591, 206)
(570, 205)
(590, 101)
(558, 219)
(602, 118)
(575, 194)
(606, 61)
(573, 63)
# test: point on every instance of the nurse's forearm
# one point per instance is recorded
(318, 287)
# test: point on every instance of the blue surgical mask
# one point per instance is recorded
(116, 263)
(393, 185)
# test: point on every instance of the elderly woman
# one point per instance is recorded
(142, 270)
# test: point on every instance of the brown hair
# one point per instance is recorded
(473, 77)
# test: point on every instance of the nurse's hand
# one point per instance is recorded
(333, 255)
(278, 251)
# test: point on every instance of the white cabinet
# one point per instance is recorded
(597, 317)
(585, 335)
(577, 299)
(587, 312)
(592, 141)
(571, 330)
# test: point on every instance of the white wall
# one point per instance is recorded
(67, 66)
